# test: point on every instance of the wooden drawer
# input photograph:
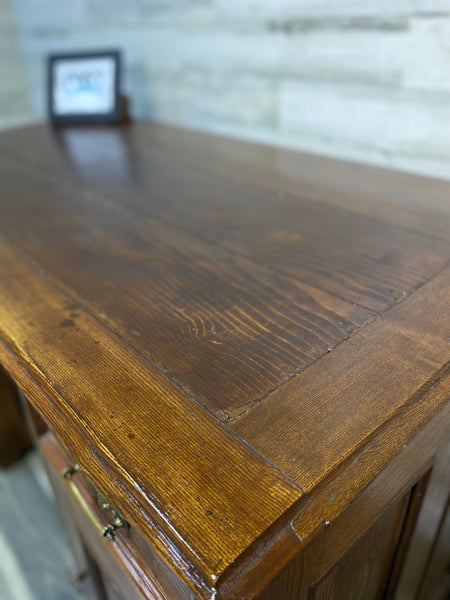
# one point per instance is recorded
(129, 568)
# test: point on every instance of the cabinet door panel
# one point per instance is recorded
(360, 555)
(363, 570)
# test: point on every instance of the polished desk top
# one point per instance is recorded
(231, 339)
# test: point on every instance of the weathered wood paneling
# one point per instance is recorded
(367, 81)
(393, 122)
(325, 9)
(14, 106)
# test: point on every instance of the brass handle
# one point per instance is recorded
(67, 472)
(107, 531)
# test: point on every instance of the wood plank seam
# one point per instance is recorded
(400, 412)
(179, 559)
(77, 300)
(246, 409)
(207, 240)
(161, 367)
(176, 317)
(377, 445)
(211, 240)
(266, 185)
(102, 460)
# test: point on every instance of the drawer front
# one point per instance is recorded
(129, 567)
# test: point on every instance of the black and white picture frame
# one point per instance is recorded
(84, 87)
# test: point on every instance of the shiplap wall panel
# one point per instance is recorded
(327, 9)
(390, 121)
(365, 80)
(427, 54)
(48, 16)
(201, 97)
(15, 108)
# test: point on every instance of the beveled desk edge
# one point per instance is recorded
(285, 518)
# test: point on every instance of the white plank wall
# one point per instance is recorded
(369, 81)
(15, 107)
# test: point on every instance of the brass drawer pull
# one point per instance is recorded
(107, 531)
(67, 472)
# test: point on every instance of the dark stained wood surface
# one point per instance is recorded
(400, 356)
(363, 570)
(142, 579)
(222, 334)
(355, 257)
(236, 308)
(118, 416)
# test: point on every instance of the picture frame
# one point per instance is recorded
(84, 87)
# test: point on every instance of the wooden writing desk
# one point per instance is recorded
(246, 352)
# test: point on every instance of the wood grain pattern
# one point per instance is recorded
(125, 236)
(363, 570)
(234, 344)
(360, 515)
(202, 317)
(90, 383)
(399, 356)
(388, 196)
(117, 558)
(348, 254)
